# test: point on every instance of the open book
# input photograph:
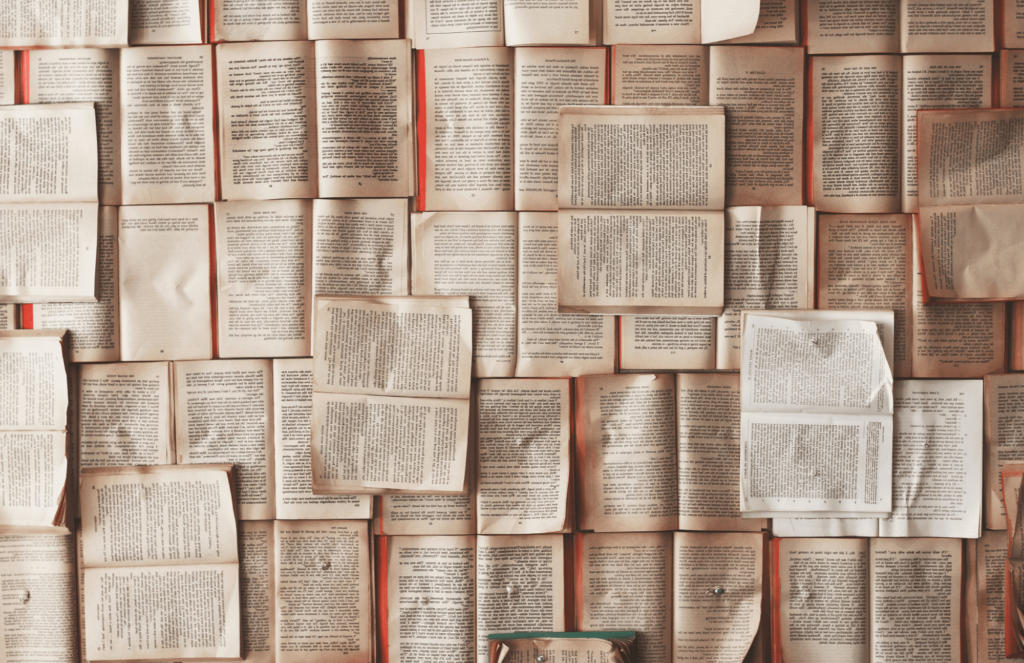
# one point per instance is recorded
(687, 22)
(100, 23)
(435, 24)
(237, 20)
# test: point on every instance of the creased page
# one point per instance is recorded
(825, 527)
(549, 343)
(365, 116)
(949, 26)
(277, 20)
(167, 120)
(256, 553)
(8, 316)
(160, 22)
(264, 278)
(727, 19)
(433, 24)
(523, 434)
(31, 23)
(659, 75)
(324, 591)
(667, 342)
(1004, 420)
(538, 23)
(7, 76)
(857, 26)
(337, 19)
(33, 382)
(991, 583)
(268, 127)
(224, 414)
(520, 586)
(625, 428)
(639, 22)
(717, 582)
(293, 415)
(627, 579)
(462, 253)
(164, 272)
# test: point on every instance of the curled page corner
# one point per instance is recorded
(728, 19)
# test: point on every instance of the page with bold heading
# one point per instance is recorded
(324, 587)
(659, 75)
(33, 382)
(264, 278)
(434, 24)
(638, 22)
(7, 78)
(762, 91)
(667, 342)
(329, 19)
(154, 22)
(48, 252)
(523, 431)
(549, 343)
(164, 282)
(466, 150)
(862, 26)
(626, 578)
(626, 439)
(74, 23)
(223, 413)
(462, 253)
(277, 20)
(1004, 419)
(540, 23)
(991, 604)
(293, 415)
(364, 108)
(545, 79)
(88, 74)
(948, 26)
(268, 120)
(256, 554)
(167, 125)
(855, 114)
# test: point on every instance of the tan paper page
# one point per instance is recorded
(860, 26)
(469, 153)
(157, 22)
(659, 75)
(7, 78)
(991, 606)
(88, 74)
(638, 22)
(33, 382)
(428, 514)
(331, 19)
(167, 125)
(264, 278)
(106, 25)
(1004, 418)
(778, 22)
(433, 24)
(1013, 25)
(164, 282)
(538, 23)
(277, 20)
(33, 473)
(667, 342)
(223, 411)
(8, 316)
(949, 26)
(365, 115)
(726, 19)
(825, 527)
(256, 553)
(1011, 73)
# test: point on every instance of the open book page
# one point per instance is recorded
(621, 261)
(463, 253)
(990, 569)
(167, 125)
(49, 252)
(33, 473)
(860, 26)
(264, 278)
(915, 599)
(545, 79)
(49, 153)
(762, 90)
(324, 591)
(539, 22)
(364, 108)
(1004, 419)
(8, 316)
(98, 23)
(939, 81)
(7, 78)
(158, 22)
(224, 414)
(867, 261)
(936, 463)
(626, 435)
(520, 586)
(708, 419)
(256, 553)
(707, 625)
(626, 578)
(268, 126)
(778, 22)
(667, 342)
(401, 349)
(361, 247)
(1011, 72)
(91, 74)
(769, 264)
(855, 111)
(433, 24)
(429, 514)
(239, 20)
(164, 282)
(726, 19)
(94, 330)
(949, 26)
(466, 153)
(431, 597)
(293, 412)
(659, 75)
(638, 22)
(645, 157)
(549, 343)
(824, 527)
(33, 382)
(330, 19)
(523, 433)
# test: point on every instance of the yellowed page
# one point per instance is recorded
(223, 413)
(428, 514)
(626, 579)
(7, 78)
(539, 22)
(324, 585)
(667, 342)
(546, 78)
(264, 278)
(461, 253)
(523, 440)
(155, 22)
(88, 74)
(337, 19)
(94, 332)
(364, 108)
(257, 554)
(268, 120)
(638, 22)
(709, 625)
(855, 110)
(641, 158)
(164, 282)
(520, 586)
(778, 22)
(33, 382)
(433, 24)
(293, 412)
(853, 26)
(276, 20)
(49, 252)
(626, 428)
(167, 125)
(1004, 418)
(1011, 73)
(949, 26)
(659, 75)
(97, 23)
(469, 130)
(991, 589)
